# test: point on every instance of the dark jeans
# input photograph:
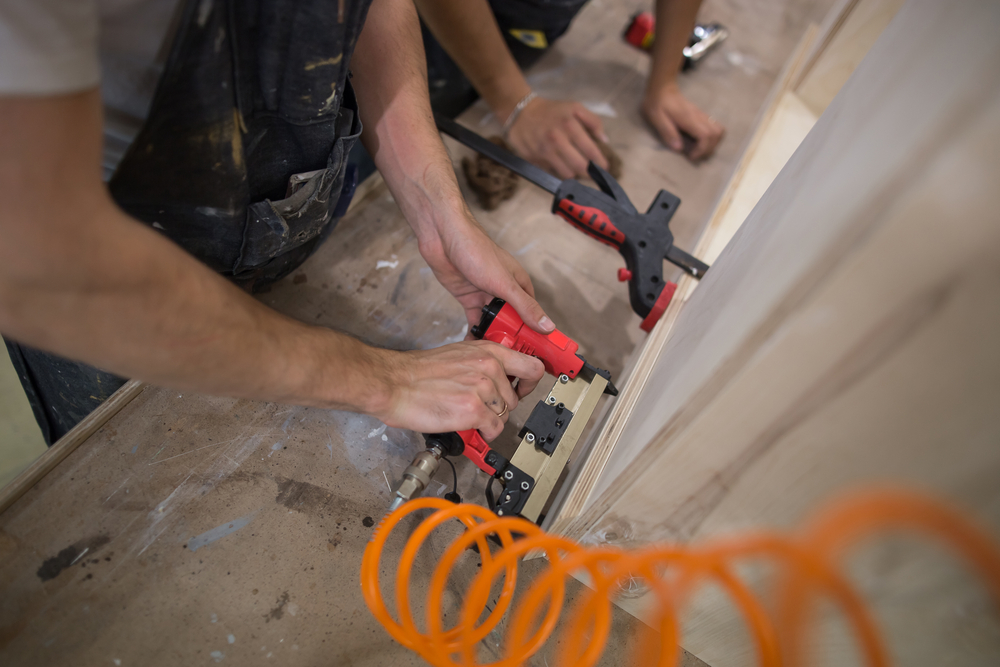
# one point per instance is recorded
(61, 392)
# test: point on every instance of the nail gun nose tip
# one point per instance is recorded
(396, 504)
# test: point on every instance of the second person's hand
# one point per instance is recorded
(667, 110)
(556, 135)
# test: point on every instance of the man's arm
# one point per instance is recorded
(391, 84)
(553, 134)
(79, 278)
(664, 106)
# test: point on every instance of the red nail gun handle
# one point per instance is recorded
(477, 449)
(469, 443)
(501, 324)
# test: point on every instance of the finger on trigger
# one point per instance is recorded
(528, 370)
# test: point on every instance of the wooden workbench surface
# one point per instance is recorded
(192, 529)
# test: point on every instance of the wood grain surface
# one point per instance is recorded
(846, 336)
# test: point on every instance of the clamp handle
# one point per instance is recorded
(644, 240)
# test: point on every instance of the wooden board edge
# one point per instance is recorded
(845, 46)
(826, 32)
(68, 443)
(784, 84)
(596, 451)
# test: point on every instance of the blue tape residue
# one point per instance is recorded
(218, 532)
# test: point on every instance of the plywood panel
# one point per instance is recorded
(851, 165)
(907, 389)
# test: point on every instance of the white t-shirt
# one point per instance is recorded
(55, 47)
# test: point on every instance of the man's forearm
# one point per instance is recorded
(400, 134)
(81, 279)
(675, 20)
(468, 31)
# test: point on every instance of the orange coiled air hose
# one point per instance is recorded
(806, 570)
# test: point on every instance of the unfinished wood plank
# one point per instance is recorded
(907, 391)
(780, 138)
(827, 31)
(847, 334)
(69, 442)
(821, 236)
(785, 122)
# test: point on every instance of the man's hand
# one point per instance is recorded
(556, 135)
(664, 106)
(474, 269)
(671, 113)
(553, 135)
(457, 387)
(391, 85)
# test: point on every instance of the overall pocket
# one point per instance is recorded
(275, 228)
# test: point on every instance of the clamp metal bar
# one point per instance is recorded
(691, 264)
(522, 168)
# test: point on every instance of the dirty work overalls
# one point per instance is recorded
(241, 160)
(529, 27)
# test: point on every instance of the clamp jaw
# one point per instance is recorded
(644, 240)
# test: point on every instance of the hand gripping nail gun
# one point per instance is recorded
(547, 437)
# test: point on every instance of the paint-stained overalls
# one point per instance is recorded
(528, 26)
(531, 26)
(241, 160)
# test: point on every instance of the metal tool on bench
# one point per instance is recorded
(706, 36)
(547, 437)
(644, 240)
(641, 33)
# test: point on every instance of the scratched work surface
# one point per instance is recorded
(195, 530)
